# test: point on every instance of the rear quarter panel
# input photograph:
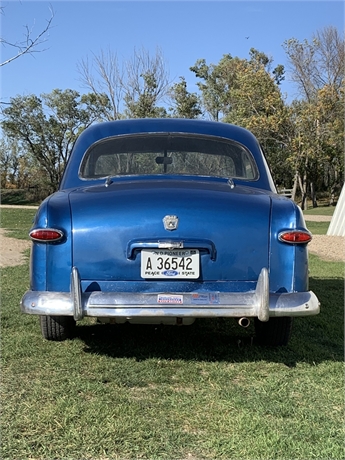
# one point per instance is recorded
(51, 263)
(288, 262)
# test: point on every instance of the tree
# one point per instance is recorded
(47, 127)
(141, 99)
(185, 104)
(30, 44)
(103, 76)
(246, 92)
(134, 88)
(219, 81)
(318, 63)
(146, 84)
(317, 67)
(316, 148)
(211, 86)
(20, 170)
(9, 161)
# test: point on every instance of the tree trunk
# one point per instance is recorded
(331, 197)
(294, 188)
(303, 187)
(313, 194)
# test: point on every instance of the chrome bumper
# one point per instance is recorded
(259, 303)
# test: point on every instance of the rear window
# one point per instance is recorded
(176, 154)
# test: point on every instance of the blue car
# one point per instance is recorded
(162, 221)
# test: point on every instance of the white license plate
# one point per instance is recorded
(170, 264)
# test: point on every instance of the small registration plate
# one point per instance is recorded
(170, 264)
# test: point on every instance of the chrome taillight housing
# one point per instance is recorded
(295, 236)
(46, 235)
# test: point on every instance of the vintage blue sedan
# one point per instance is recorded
(163, 221)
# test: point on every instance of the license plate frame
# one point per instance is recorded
(170, 264)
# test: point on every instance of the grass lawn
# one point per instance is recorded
(320, 211)
(317, 228)
(17, 221)
(198, 392)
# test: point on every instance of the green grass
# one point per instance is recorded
(17, 221)
(198, 392)
(320, 211)
(317, 228)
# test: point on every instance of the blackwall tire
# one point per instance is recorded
(275, 332)
(57, 328)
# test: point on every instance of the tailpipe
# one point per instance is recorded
(244, 322)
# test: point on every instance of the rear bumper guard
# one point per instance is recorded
(259, 303)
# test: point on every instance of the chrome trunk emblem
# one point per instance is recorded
(170, 222)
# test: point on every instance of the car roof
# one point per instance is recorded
(150, 125)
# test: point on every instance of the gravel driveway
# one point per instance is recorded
(325, 246)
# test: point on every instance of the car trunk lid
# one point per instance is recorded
(228, 225)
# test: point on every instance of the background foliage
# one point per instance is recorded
(303, 139)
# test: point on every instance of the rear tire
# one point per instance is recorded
(57, 328)
(275, 332)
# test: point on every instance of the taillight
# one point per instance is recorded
(295, 236)
(46, 235)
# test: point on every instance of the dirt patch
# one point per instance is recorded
(318, 218)
(328, 247)
(12, 249)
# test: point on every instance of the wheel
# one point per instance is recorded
(275, 332)
(57, 328)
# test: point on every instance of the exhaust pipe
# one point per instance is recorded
(244, 322)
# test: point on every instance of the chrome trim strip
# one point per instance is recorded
(138, 244)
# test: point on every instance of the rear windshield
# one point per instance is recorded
(176, 154)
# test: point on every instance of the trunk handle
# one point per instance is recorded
(133, 246)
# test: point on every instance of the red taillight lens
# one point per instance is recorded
(46, 235)
(295, 236)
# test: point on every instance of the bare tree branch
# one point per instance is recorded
(109, 80)
(317, 63)
(30, 44)
(142, 77)
(141, 64)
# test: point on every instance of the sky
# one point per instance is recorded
(184, 31)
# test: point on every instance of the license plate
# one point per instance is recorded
(170, 264)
